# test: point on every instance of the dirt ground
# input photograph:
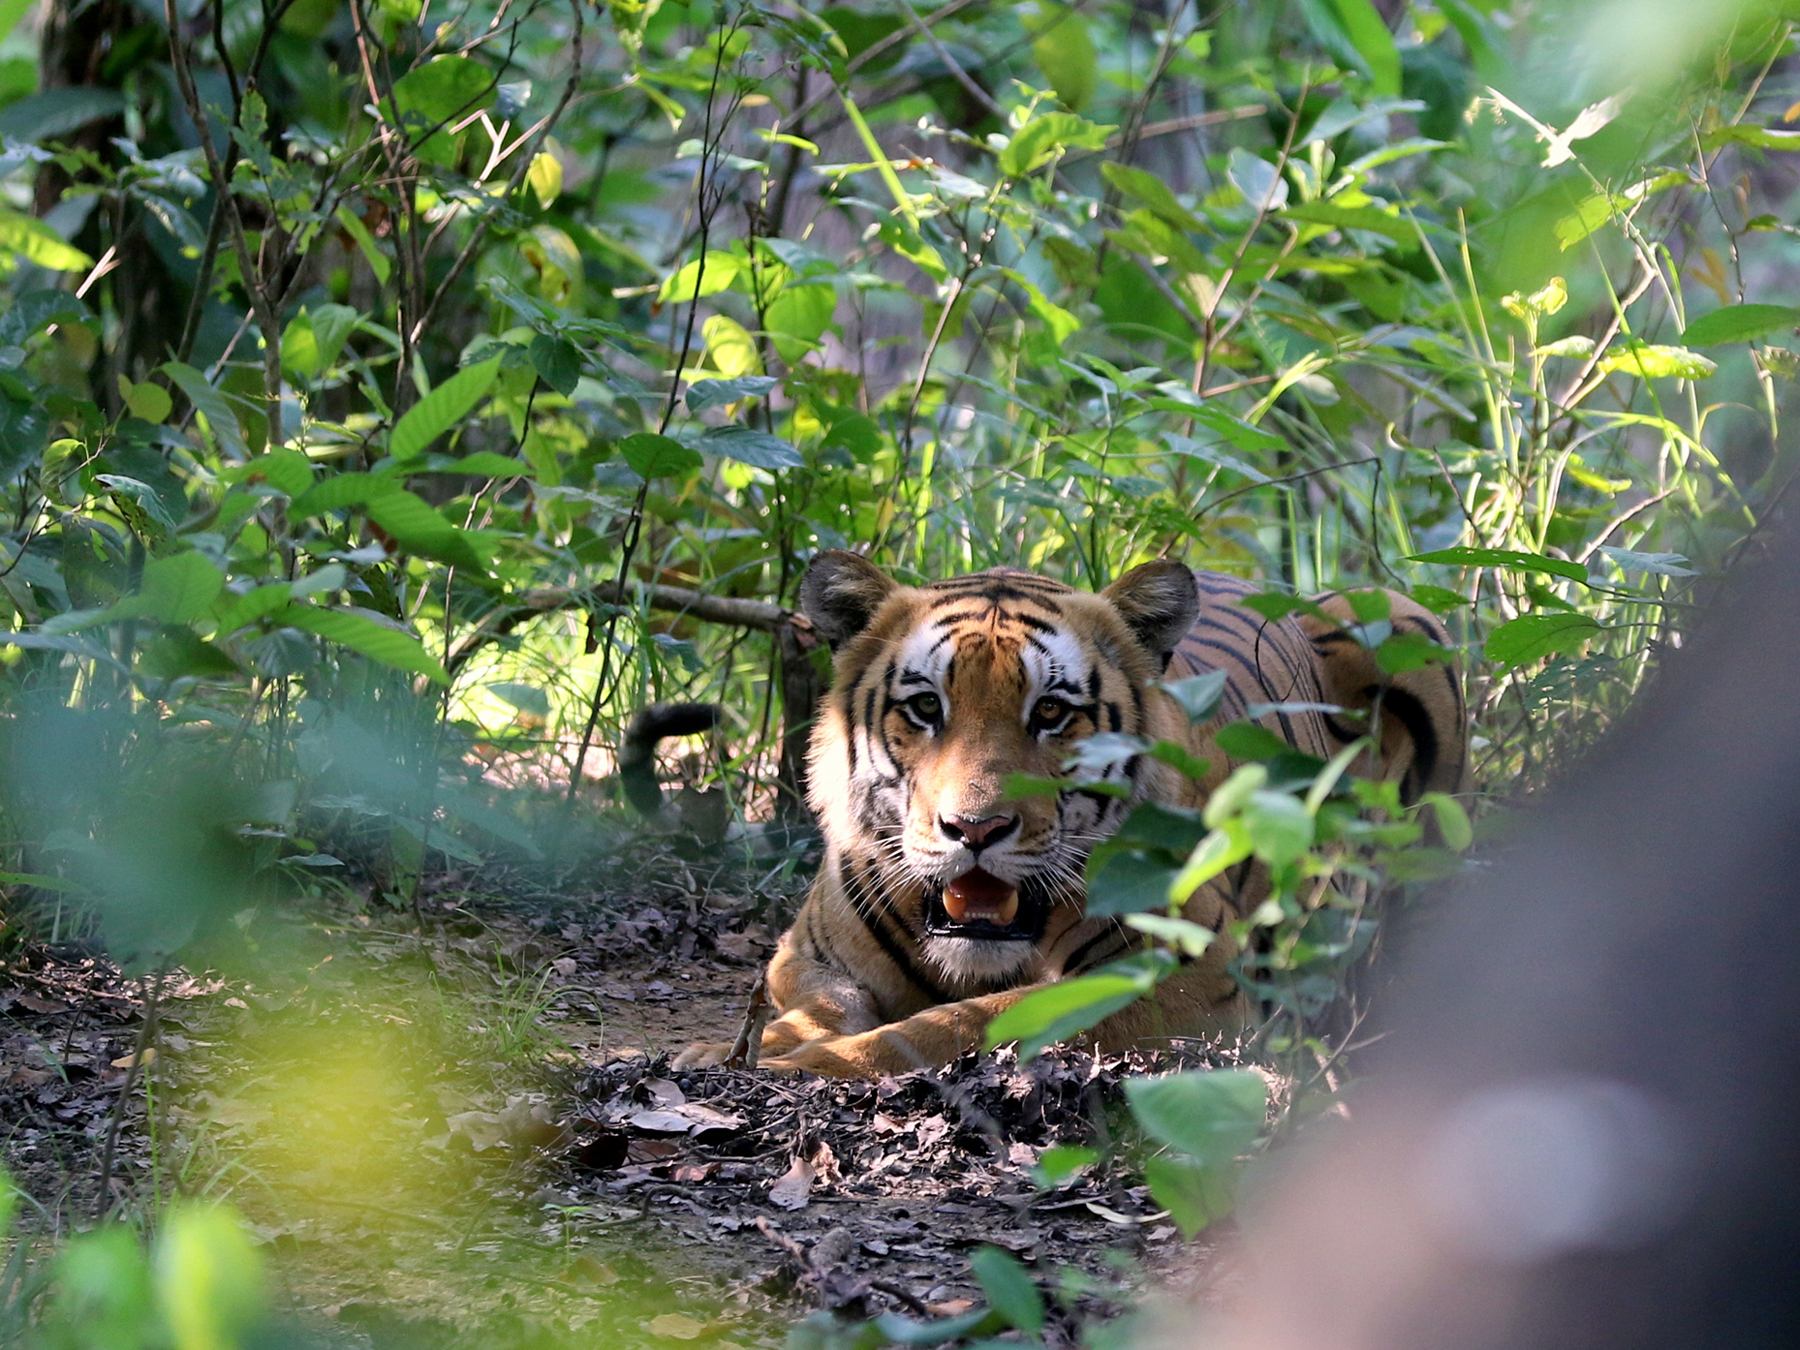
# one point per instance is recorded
(457, 1124)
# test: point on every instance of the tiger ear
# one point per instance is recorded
(1159, 602)
(841, 592)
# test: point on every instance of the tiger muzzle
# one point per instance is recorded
(978, 904)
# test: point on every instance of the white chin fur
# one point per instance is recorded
(978, 958)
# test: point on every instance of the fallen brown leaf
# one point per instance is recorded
(794, 1189)
(676, 1327)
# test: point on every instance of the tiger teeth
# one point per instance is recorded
(979, 897)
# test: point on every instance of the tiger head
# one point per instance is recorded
(942, 693)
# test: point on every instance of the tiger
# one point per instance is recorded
(940, 900)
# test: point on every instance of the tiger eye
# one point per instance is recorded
(927, 706)
(1051, 709)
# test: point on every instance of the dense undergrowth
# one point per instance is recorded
(394, 397)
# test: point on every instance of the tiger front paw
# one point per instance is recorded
(704, 1055)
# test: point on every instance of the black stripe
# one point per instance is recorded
(1419, 726)
(1076, 956)
(897, 954)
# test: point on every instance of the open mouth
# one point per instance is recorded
(979, 904)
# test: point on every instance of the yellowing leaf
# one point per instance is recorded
(545, 176)
(27, 235)
(732, 348)
(1654, 362)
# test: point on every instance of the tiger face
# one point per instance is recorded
(943, 694)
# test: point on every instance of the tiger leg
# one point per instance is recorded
(926, 1040)
(813, 1000)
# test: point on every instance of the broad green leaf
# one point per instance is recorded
(731, 347)
(704, 394)
(1275, 606)
(1128, 882)
(1763, 138)
(315, 337)
(1221, 849)
(1263, 187)
(706, 275)
(441, 92)
(420, 529)
(442, 409)
(1662, 564)
(1046, 137)
(176, 589)
(798, 317)
(486, 463)
(52, 113)
(1229, 797)
(1651, 361)
(1195, 1196)
(1010, 1289)
(289, 471)
(1368, 218)
(1439, 599)
(1278, 826)
(221, 421)
(1452, 821)
(1408, 651)
(36, 242)
(1069, 1007)
(1368, 33)
(653, 456)
(1198, 695)
(1210, 1115)
(209, 1278)
(1512, 559)
(1246, 740)
(341, 491)
(1064, 51)
(146, 400)
(368, 633)
(1537, 635)
(1155, 195)
(1739, 323)
(557, 361)
(751, 447)
(1192, 938)
(233, 612)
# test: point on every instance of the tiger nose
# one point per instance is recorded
(977, 833)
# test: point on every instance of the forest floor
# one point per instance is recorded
(456, 1123)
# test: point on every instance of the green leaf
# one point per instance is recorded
(1009, 1287)
(1191, 938)
(221, 421)
(1047, 137)
(1661, 564)
(38, 243)
(1259, 180)
(545, 177)
(1277, 605)
(437, 93)
(652, 456)
(379, 263)
(1247, 741)
(1368, 218)
(288, 471)
(1279, 827)
(751, 447)
(176, 589)
(1368, 32)
(1223, 848)
(209, 1277)
(1739, 323)
(1408, 651)
(1210, 1115)
(1128, 882)
(704, 394)
(557, 362)
(420, 529)
(798, 317)
(1439, 599)
(341, 491)
(1142, 186)
(1537, 635)
(1061, 1161)
(56, 112)
(1512, 559)
(1652, 361)
(442, 409)
(706, 275)
(1763, 138)
(1064, 51)
(233, 612)
(1452, 821)
(149, 401)
(486, 463)
(1195, 1196)
(1198, 695)
(314, 338)
(1069, 1007)
(371, 634)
